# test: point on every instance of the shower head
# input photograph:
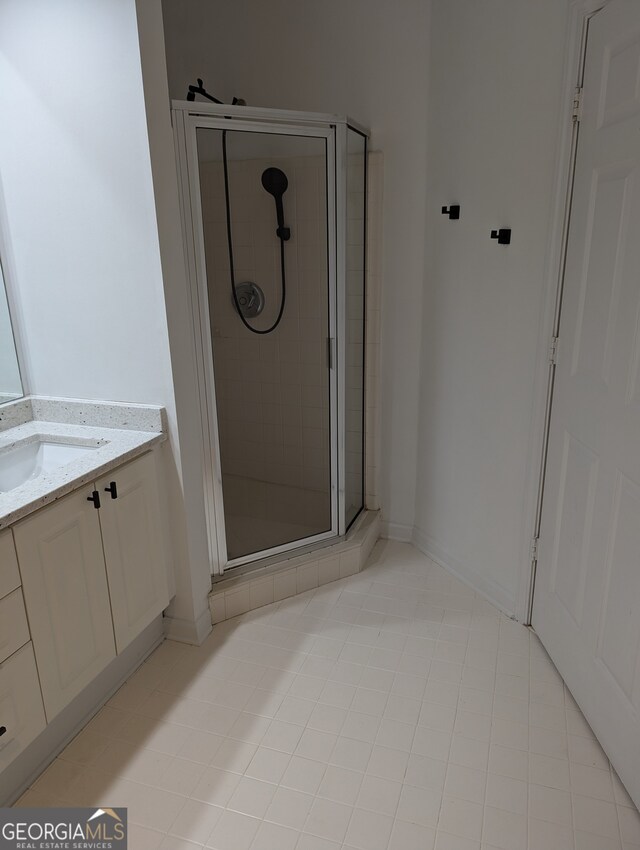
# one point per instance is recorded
(274, 181)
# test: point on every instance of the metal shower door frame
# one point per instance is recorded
(342, 153)
(188, 117)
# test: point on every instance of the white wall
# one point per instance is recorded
(460, 341)
(366, 58)
(10, 384)
(494, 98)
(77, 184)
(78, 192)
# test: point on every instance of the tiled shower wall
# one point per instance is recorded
(272, 391)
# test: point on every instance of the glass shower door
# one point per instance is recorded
(354, 342)
(266, 232)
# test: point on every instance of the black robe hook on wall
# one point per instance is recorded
(453, 211)
(503, 235)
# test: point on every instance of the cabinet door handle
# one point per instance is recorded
(3, 729)
(113, 489)
(95, 498)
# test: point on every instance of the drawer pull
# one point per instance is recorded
(3, 729)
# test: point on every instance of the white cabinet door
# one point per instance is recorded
(21, 712)
(66, 595)
(9, 573)
(132, 537)
(14, 629)
(587, 595)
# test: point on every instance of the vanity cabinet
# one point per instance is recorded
(94, 577)
(132, 540)
(9, 572)
(14, 629)
(67, 597)
(21, 712)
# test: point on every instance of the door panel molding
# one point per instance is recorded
(588, 584)
(624, 646)
(579, 15)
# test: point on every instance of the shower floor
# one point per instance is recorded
(253, 534)
(260, 515)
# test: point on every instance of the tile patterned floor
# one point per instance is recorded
(393, 710)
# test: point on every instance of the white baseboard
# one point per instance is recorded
(491, 591)
(188, 631)
(370, 538)
(396, 531)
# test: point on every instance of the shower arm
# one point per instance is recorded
(200, 89)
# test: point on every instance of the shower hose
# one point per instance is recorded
(232, 273)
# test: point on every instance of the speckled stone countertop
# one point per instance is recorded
(119, 432)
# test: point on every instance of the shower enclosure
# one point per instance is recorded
(274, 214)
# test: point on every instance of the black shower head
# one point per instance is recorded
(275, 182)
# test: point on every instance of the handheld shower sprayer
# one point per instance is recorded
(274, 181)
(247, 297)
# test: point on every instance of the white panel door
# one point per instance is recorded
(66, 596)
(9, 574)
(587, 594)
(132, 537)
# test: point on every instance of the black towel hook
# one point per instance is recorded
(453, 211)
(503, 235)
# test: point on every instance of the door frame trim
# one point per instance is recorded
(580, 14)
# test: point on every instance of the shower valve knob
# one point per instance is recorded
(503, 235)
(453, 211)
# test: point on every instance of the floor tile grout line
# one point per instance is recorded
(484, 796)
(307, 631)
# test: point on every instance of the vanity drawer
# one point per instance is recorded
(14, 629)
(21, 709)
(9, 574)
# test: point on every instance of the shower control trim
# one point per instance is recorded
(250, 298)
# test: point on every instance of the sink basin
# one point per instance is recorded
(32, 458)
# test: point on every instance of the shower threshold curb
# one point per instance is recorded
(279, 580)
